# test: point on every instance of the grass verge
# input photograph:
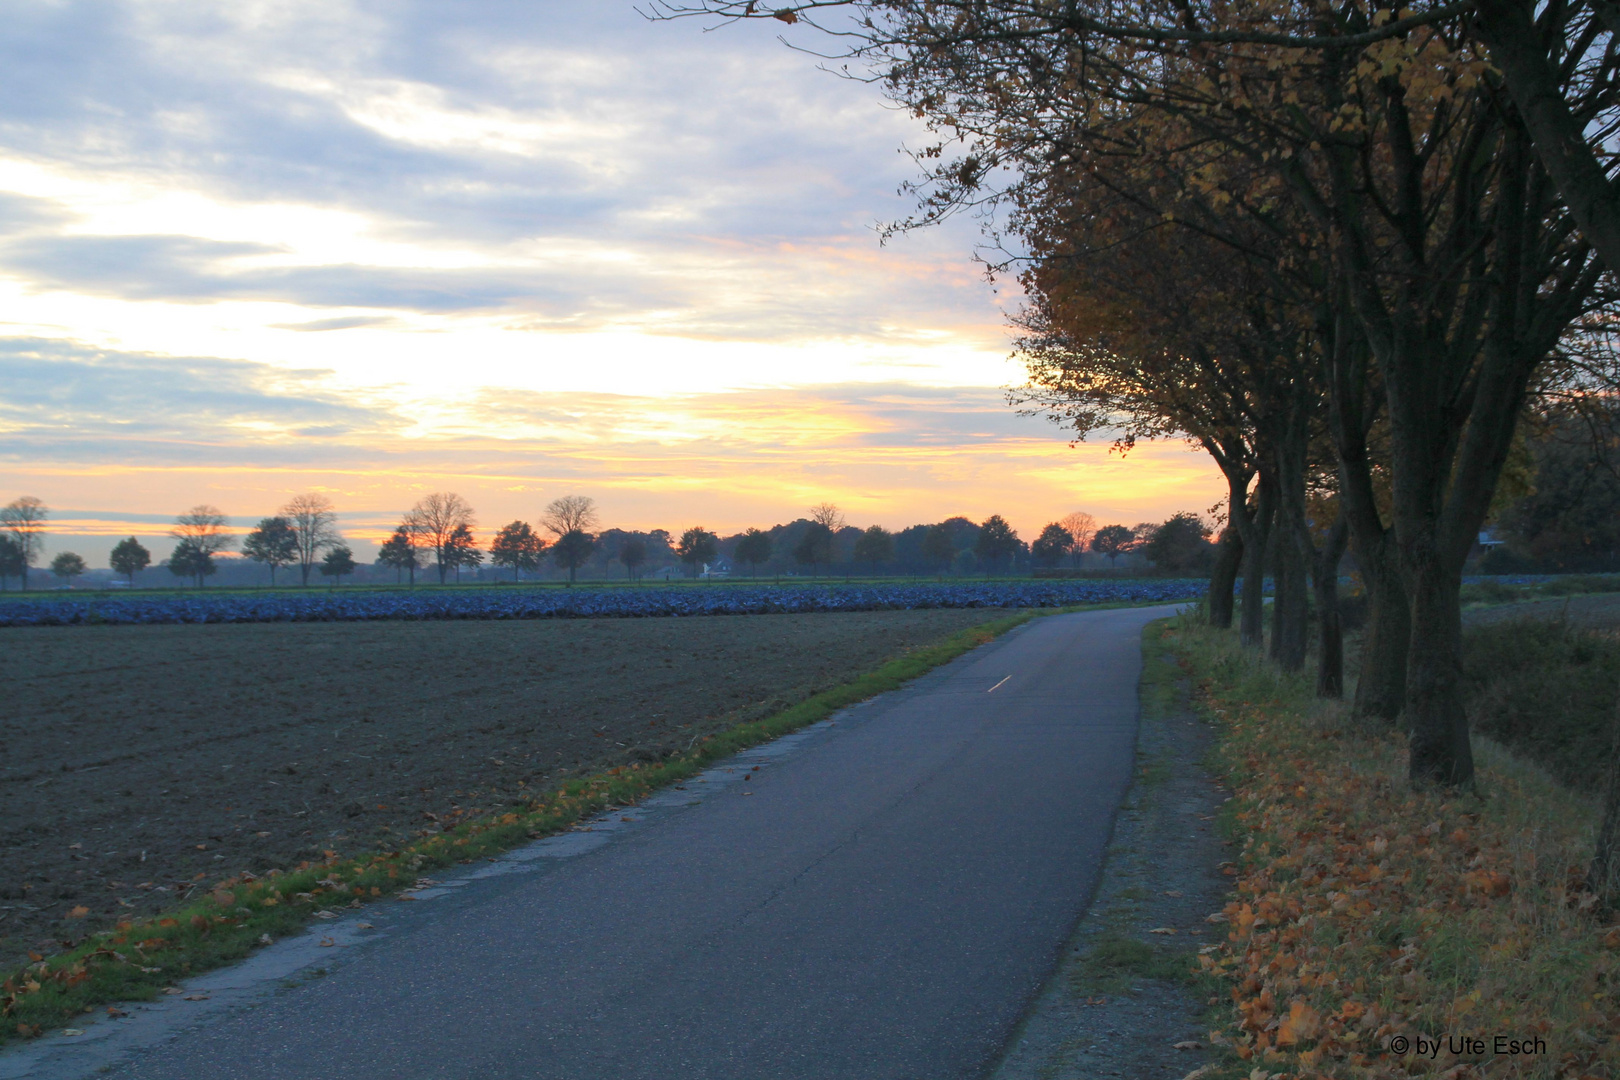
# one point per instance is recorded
(138, 959)
(1368, 914)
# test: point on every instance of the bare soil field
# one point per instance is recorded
(138, 762)
(1590, 611)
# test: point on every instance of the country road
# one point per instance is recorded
(879, 896)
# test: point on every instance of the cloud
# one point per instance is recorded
(65, 404)
(570, 164)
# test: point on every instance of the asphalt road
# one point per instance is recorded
(883, 902)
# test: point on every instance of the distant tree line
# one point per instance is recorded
(439, 533)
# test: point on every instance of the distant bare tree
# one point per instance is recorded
(1079, 525)
(316, 525)
(573, 519)
(435, 518)
(24, 519)
(202, 528)
(828, 515)
(571, 513)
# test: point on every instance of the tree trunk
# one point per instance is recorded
(1330, 643)
(1381, 687)
(1440, 750)
(1252, 624)
(1603, 878)
(1223, 577)
(1291, 607)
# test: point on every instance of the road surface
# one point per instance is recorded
(880, 898)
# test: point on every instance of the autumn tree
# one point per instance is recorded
(190, 559)
(875, 546)
(939, 546)
(1180, 544)
(204, 527)
(434, 522)
(68, 566)
(754, 548)
(274, 542)
(815, 546)
(997, 542)
(461, 550)
(314, 523)
(516, 546)
(129, 558)
(1054, 542)
(697, 548)
(572, 519)
(11, 561)
(571, 551)
(399, 553)
(632, 553)
(338, 563)
(1112, 541)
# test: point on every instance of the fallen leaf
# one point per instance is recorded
(1199, 1073)
(196, 997)
(1187, 1044)
(113, 1010)
(266, 939)
(1302, 1023)
(1173, 892)
(79, 912)
(327, 943)
(173, 990)
(363, 926)
(1163, 930)
(73, 1031)
(323, 914)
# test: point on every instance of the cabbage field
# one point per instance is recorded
(583, 603)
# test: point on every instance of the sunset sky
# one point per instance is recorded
(511, 250)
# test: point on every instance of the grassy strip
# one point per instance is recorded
(1368, 912)
(1545, 688)
(1502, 592)
(137, 960)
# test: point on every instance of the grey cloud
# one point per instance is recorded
(64, 402)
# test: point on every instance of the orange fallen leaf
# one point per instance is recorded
(79, 912)
(1302, 1023)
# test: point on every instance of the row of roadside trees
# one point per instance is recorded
(1349, 250)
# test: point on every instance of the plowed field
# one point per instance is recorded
(136, 761)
